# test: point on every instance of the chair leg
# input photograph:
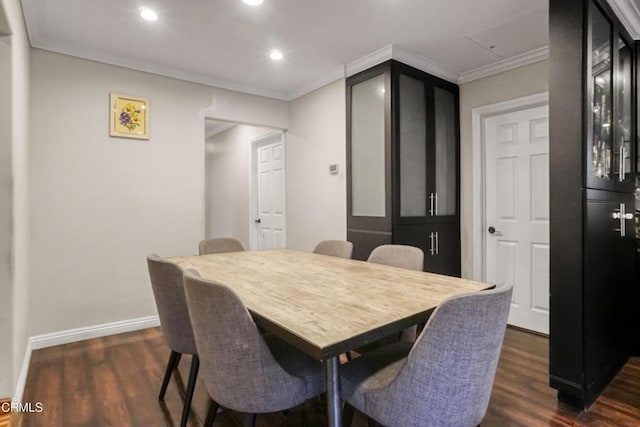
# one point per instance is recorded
(249, 420)
(211, 413)
(347, 415)
(193, 374)
(174, 359)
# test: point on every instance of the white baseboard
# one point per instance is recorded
(78, 334)
(24, 371)
(88, 332)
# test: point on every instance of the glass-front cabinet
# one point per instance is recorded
(427, 161)
(593, 280)
(403, 164)
(610, 110)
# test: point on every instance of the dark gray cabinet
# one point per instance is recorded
(609, 330)
(403, 164)
(593, 294)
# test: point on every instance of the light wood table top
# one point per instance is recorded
(326, 305)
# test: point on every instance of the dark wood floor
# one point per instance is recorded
(114, 381)
(4, 414)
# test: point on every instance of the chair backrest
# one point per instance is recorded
(448, 375)
(401, 256)
(220, 245)
(168, 291)
(237, 367)
(337, 248)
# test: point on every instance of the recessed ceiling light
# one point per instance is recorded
(148, 14)
(275, 54)
(252, 2)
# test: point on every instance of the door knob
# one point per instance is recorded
(257, 221)
(492, 230)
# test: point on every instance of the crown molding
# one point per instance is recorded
(394, 52)
(374, 58)
(332, 76)
(386, 53)
(535, 55)
(353, 67)
(158, 69)
(424, 64)
(628, 12)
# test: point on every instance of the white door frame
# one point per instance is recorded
(479, 114)
(256, 142)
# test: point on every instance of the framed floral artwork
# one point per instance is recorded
(129, 116)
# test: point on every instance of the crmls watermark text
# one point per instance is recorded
(28, 407)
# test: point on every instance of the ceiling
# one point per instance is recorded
(226, 43)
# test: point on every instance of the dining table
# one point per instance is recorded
(326, 306)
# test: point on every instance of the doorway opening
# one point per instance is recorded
(511, 204)
(229, 188)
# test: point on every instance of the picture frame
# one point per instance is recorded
(129, 116)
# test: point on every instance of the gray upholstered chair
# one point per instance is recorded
(401, 256)
(445, 379)
(241, 369)
(220, 245)
(168, 291)
(337, 248)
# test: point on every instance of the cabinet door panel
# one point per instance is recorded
(609, 109)
(413, 147)
(440, 243)
(446, 136)
(368, 166)
(609, 270)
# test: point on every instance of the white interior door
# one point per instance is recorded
(517, 212)
(269, 172)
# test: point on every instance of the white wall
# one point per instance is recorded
(21, 166)
(316, 200)
(14, 226)
(228, 172)
(100, 204)
(6, 213)
(517, 83)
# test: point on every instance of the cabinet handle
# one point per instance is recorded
(436, 210)
(434, 243)
(623, 216)
(621, 164)
(432, 210)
